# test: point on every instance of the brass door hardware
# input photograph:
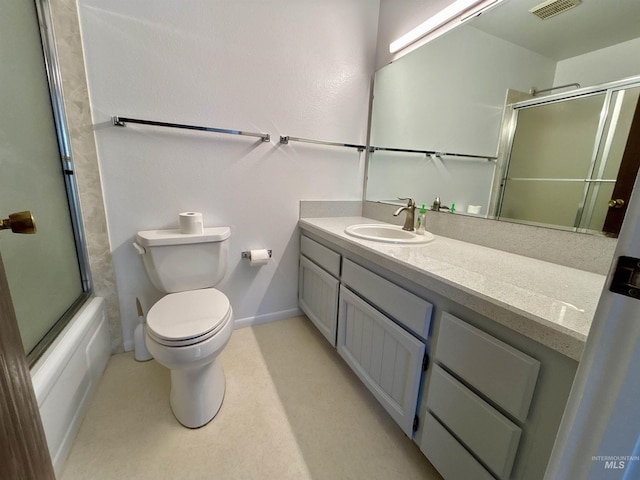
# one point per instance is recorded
(20, 222)
(617, 203)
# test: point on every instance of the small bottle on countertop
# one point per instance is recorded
(420, 223)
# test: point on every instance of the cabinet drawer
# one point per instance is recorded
(318, 298)
(408, 309)
(502, 373)
(327, 259)
(385, 357)
(449, 457)
(487, 433)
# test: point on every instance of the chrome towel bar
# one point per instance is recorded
(431, 152)
(286, 139)
(122, 121)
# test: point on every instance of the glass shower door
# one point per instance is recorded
(573, 161)
(551, 156)
(43, 270)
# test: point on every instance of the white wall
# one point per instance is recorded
(286, 68)
(601, 66)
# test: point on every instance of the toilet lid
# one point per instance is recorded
(188, 315)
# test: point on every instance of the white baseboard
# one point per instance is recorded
(266, 318)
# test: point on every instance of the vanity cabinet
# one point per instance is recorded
(386, 358)
(495, 369)
(449, 457)
(491, 406)
(318, 286)
(474, 379)
(377, 326)
(410, 311)
(489, 401)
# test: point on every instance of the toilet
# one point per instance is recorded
(187, 329)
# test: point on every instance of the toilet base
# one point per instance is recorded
(197, 378)
(197, 393)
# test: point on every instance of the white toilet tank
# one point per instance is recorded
(176, 262)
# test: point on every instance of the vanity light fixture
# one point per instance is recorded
(443, 17)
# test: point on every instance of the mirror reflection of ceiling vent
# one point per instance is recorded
(553, 7)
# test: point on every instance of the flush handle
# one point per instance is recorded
(617, 203)
(20, 222)
(139, 249)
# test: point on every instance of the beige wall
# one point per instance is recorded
(83, 148)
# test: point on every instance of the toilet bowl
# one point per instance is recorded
(188, 328)
(186, 332)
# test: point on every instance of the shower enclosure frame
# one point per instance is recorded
(54, 81)
(608, 89)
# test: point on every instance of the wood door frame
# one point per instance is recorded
(627, 173)
(23, 446)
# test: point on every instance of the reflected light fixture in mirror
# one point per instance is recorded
(442, 21)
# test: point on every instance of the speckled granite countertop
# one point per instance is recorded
(551, 304)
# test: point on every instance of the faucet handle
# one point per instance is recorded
(410, 202)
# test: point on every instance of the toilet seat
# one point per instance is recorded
(186, 318)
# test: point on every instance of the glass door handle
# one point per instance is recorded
(19, 222)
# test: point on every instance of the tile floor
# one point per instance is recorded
(292, 410)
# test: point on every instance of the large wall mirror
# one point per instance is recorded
(513, 117)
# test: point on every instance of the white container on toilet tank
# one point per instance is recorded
(188, 328)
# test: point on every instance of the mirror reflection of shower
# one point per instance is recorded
(573, 161)
(448, 95)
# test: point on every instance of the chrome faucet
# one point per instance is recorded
(437, 206)
(409, 220)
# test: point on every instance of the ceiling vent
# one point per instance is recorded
(553, 7)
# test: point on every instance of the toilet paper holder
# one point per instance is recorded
(247, 254)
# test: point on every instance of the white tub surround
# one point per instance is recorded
(67, 374)
(551, 304)
(66, 30)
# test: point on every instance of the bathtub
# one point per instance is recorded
(67, 374)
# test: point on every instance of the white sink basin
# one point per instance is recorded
(387, 233)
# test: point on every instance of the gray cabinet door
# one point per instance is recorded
(492, 437)
(318, 298)
(445, 453)
(403, 306)
(385, 357)
(500, 372)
